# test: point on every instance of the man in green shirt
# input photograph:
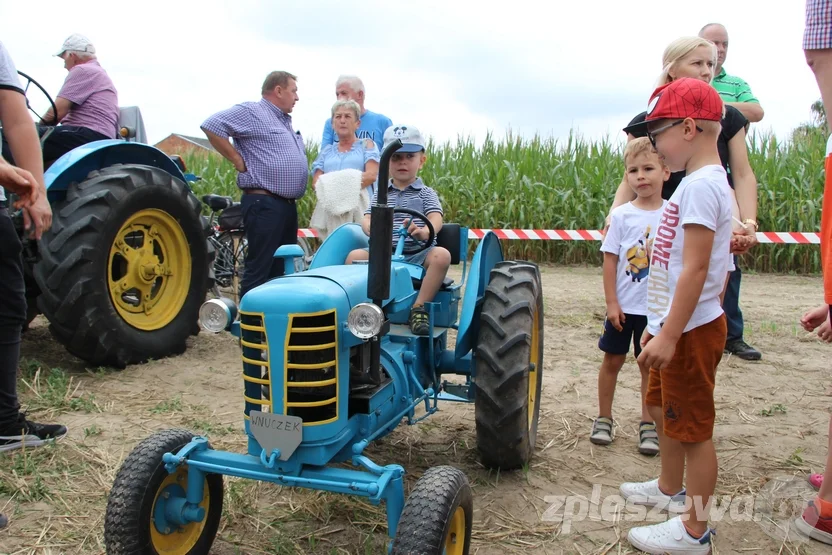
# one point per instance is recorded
(733, 90)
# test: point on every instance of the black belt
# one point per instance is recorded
(260, 191)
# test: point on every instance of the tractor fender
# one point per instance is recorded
(76, 165)
(488, 254)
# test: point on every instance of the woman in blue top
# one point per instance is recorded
(349, 152)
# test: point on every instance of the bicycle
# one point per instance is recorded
(229, 241)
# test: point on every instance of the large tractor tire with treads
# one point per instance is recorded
(125, 267)
(509, 365)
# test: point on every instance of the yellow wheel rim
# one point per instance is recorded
(183, 539)
(455, 540)
(149, 270)
(534, 373)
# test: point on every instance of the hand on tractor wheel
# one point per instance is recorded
(420, 233)
(21, 183)
(37, 218)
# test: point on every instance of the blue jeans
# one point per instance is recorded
(270, 223)
(731, 306)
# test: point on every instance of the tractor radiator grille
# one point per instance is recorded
(311, 379)
(256, 375)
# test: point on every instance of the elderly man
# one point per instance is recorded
(87, 104)
(733, 90)
(373, 125)
(273, 171)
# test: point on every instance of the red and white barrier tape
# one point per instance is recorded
(783, 237)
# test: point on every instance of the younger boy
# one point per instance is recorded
(406, 190)
(686, 326)
(626, 250)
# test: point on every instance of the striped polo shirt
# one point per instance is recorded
(416, 196)
(733, 89)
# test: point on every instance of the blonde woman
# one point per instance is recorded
(696, 57)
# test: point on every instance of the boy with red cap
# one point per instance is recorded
(686, 326)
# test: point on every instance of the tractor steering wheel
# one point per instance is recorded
(30, 81)
(421, 245)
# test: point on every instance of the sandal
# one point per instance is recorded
(648, 439)
(602, 431)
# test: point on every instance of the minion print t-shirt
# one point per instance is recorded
(631, 238)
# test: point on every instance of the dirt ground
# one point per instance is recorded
(771, 422)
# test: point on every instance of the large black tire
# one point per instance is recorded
(76, 267)
(509, 365)
(438, 516)
(128, 524)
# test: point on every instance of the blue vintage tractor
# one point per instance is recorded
(126, 266)
(330, 365)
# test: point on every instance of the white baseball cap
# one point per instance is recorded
(412, 140)
(76, 43)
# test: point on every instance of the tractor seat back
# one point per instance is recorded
(130, 125)
(449, 238)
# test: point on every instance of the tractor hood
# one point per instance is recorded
(321, 289)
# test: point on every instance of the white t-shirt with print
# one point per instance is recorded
(702, 198)
(630, 238)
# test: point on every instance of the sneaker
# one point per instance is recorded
(29, 434)
(602, 431)
(419, 321)
(648, 439)
(669, 537)
(648, 493)
(743, 350)
(814, 526)
(4, 521)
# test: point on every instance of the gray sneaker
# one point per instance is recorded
(602, 431)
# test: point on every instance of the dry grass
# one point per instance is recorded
(768, 425)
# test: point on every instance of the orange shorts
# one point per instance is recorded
(685, 388)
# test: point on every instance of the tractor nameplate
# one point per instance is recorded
(276, 431)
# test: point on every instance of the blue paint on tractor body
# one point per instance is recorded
(413, 366)
(76, 165)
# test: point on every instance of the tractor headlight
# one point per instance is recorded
(216, 315)
(365, 320)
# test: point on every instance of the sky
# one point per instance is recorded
(451, 68)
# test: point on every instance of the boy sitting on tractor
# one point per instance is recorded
(406, 190)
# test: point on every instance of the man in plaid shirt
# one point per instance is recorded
(273, 171)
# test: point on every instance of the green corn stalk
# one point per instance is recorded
(552, 184)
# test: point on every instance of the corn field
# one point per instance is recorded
(545, 183)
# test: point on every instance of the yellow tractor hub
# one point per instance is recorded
(535, 366)
(455, 540)
(182, 540)
(149, 270)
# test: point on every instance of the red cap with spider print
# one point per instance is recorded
(685, 98)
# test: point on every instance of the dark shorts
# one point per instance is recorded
(685, 388)
(616, 342)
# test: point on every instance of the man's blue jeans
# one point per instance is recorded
(731, 306)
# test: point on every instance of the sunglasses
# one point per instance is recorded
(652, 134)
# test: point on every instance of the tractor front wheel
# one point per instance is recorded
(438, 516)
(509, 366)
(134, 523)
(125, 267)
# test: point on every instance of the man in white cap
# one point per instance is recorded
(87, 104)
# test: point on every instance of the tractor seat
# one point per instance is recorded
(217, 202)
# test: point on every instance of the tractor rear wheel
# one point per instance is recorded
(131, 523)
(438, 515)
(125, 267)
(509, 364)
